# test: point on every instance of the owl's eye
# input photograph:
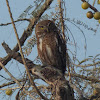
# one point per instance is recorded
(42, 27)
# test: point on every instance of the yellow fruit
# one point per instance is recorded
(89, 14)
(99, 21)
(98, 1)
(97, 15)
(85, 5)
(8, 91)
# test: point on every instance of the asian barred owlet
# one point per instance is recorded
(50, 44)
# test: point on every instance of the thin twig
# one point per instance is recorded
(84, 77)
(86, 65)
(15, 80)
(19, 87)
(27, 70)
(10, 83)
(62, 27)
(25, 19)
(10, 74)
(61, 17)
(28, 31)
(90, 6)
(94, 3)
(17, 38)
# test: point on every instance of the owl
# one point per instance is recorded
(50, 44)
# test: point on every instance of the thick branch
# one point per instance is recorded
(21, 52)
(31, 25)
(17, 56)
(61, 88)
(28, 31)
(30, 64)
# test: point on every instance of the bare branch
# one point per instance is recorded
(87, 65)
(28, 31)
(15, 79)
(94, 80)
(90, 6)
(10, 74)
(17, 56)
(27, 70)
(61, 17)
(10, 83)
(25, 19)
(61, 88)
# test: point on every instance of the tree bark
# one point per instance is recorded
(60, 86)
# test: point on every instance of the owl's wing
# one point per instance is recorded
(55, 51)
(61, 48)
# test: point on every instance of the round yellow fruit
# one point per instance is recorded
(8, 91)
(99, 21)
(85, 5)
(97, 15)
(98, 1)
(89, 14)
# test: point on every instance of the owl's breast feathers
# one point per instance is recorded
(52, 50)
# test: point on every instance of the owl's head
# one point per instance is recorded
(45, 26)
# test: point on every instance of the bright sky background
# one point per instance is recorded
(73, 10)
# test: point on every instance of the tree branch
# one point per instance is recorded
(90, 6)
(25, 19)
(52, 76)
(28, 31)
(87, 65)
(22, 56)
(61, 18)
(17, 56)
(10, 83)
(10, 74)
(94, 80)
(30, 64)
